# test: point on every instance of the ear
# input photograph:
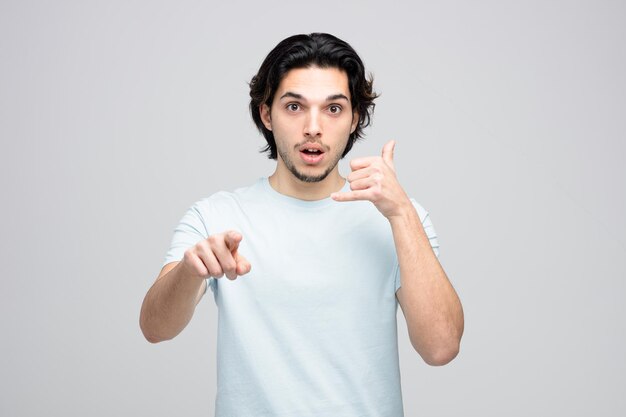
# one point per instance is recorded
(355, 121)
(266, 117)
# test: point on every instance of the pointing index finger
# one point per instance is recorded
(232, 240)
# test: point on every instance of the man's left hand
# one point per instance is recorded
(374, 178)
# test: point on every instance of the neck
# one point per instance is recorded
(287, 184)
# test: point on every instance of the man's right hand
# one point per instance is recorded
(216, 256)
(170, 302)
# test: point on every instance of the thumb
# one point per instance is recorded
(388, 152)
(232, 240)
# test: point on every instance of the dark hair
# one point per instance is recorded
(302, 51)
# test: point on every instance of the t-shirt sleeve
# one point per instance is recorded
(430, 232)
(190, 230)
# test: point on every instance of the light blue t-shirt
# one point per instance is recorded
(311, 330)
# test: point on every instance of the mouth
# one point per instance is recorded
(312, 154)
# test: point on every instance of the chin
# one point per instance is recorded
(311, 176)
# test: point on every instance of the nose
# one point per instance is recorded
(312, 127)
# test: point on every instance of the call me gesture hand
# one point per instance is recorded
(374, 179)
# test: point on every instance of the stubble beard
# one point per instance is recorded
(304, 177)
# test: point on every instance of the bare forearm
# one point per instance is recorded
(430, 304)
(169, 304)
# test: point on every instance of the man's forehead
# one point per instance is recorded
(314, 82)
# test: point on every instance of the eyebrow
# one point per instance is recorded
(301, 97)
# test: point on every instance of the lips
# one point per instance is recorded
(312, 148)
(311, 153)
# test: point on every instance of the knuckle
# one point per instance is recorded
(203, 246)
(190, 258)
(195, 265)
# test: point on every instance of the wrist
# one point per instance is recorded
(185, 275)
(403, 213)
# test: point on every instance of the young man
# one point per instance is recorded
(315, 263)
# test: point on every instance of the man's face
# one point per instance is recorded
(311, 119)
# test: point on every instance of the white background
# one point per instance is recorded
(509, 119)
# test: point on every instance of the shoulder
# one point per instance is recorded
(227, 199)
(220, 198)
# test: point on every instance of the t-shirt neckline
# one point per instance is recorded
(307, 204)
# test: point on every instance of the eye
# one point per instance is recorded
(334, 109)
(293, 107)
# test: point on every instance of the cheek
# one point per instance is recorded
(347, 126)
(287, 128)
(279, 131)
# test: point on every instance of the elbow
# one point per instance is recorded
(150, 332)
(153, 337)
(443, 349)
(438, 354)
(155, 340)
(441, 356)
(149, 336)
